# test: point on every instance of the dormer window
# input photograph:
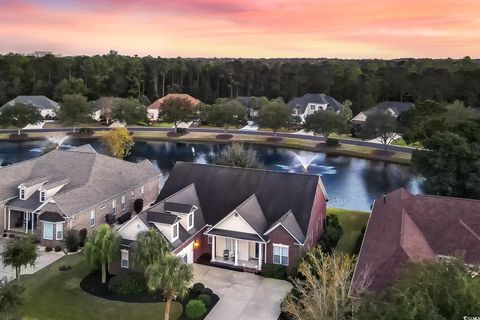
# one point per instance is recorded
(42, 196)
(175, 231)
(190, 221)
(22, 193)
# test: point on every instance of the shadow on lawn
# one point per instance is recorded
(92, 284)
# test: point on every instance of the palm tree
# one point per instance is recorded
(101, 247)
(10, 298)
(19, 252)
(172, 276)
(150, 247)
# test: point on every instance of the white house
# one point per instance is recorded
(48, 108)
(312, 102)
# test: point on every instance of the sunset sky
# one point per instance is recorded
(244, 28)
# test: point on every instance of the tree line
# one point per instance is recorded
(364, 82)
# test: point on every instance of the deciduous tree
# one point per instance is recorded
(323, 122)
(119, 142)
(176, 110)
(275, 115)
(236, 155)
(381, 125)
(130, 111)
(19, 252)
(19, 115)
(75, 108)
(226, 113)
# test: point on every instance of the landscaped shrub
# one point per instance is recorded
(127, 284)
(207, 291)
(58, 248)
(124, 218)
(71, 240)
(181, 130)
(195, 309)
(197, 288)
(82, 236)
(205, 298)
(87, 131)
(276, 271)
(333, 232)
(138, 205)
(48, 249)
(332, 142)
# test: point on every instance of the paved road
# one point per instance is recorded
(243, 296)
(214, 130)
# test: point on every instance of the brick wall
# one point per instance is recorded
(317, 218)
(281, 236)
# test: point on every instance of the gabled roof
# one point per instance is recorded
(289, 222)
(40, 102)
(221, 189)
(396, 106)
(50, 216)
(404, 227)
(164, 218)
(56, 183)
(157, 104)
(93, 178)
(303, 101)
(251, 211)
(178, 207)
(36, 181)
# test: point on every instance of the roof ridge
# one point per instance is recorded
(446, 197)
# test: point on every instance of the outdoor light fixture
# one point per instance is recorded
(196, 244)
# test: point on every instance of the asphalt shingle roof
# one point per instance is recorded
(40, 102)
(303, 101)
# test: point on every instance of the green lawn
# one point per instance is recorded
(352, 223)
(51, 294)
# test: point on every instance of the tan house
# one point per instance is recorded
(71, 189)
(152, 109)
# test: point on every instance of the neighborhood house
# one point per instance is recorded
(404, 227)
(238, 217)
(312, 102)
(152, 109)
(395, 108)
(71, 189)
(48, 108)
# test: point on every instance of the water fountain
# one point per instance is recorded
(304, 163)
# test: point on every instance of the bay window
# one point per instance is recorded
(48, 231)
(124, 260)
(59, 231)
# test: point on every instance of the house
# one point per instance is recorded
(230, 216)
(395, 108)
(311, 102)
(48, 108)
(152, 109)
(71, 189)
(98, 110)
(404, 227)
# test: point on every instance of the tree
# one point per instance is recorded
(130, 111)
(226, 113)
(275, 115)
(10, 298)
(119, 142)
(450, 165)
(426, 291)
(380, 125)
(323, 122)
(106, 105)
(236, 155)
(321, 290)
(149, 248)
(422, 121)
(170, 275)
(345, 116)
(19, 252)
(176, 110)
(75, 108)
(101, 248)
(70, 86)
(19, 115)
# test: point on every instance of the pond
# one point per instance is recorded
(351, 183)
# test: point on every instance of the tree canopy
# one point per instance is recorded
(381, 125)
(323, 122)
(176, 110)
(236, 155)
(19, 252)
(130, 111)
(75, 108)
(19, 115)
(119, 142)
(275, 115)
(226, 113)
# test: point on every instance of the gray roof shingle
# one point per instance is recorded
(39, 102)
(303, 101)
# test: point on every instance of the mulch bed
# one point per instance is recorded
(175, 134)
(274, 140)
(383, 153)
(92, 284)
(224, 136)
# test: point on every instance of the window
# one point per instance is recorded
(123, 202)
(133, 195)
(190, 221)
(22, 193)
(312, 107)
(124, 260)
(175, 232)
(142, 190)
(280, 254)
(210, 239)
(48, 231)
(59, 231)
(42, 196)
(114, 207)
(92, 218)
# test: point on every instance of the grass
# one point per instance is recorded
(51, 294)
(352, 223)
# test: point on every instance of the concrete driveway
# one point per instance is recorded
(243, 296)
(44, 259)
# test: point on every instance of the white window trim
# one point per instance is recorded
(124, 254)
(142, 190)
(93, 218)
(114, 206)
(44, 194)
(175, 226)
(281, 246)
(56, 231)
(20, 193)
(210, 239)
(123, 202)
(191, 214)
(44, 234)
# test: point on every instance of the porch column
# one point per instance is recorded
(213, 248)
(260, 255)
(9, 218)
(236, 252)
(25, 215)
(33, 223)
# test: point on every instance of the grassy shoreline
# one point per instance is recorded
(292, 143)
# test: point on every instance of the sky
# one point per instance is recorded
(244, 28)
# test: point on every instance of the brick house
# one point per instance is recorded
(238, 217)
(404, 228)
(71, 189)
